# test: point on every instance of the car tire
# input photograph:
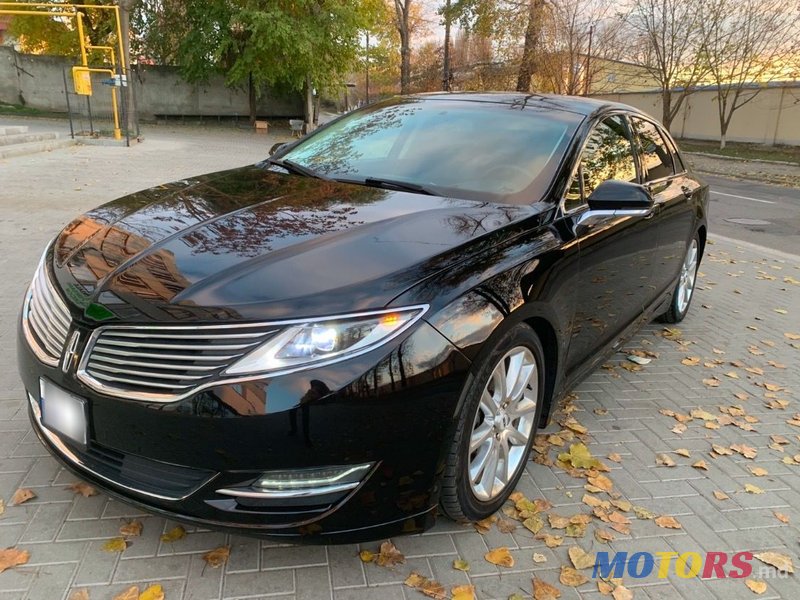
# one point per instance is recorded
(470, 493)
(684, 290)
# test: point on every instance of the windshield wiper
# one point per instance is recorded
(295, 168)
(404, 186)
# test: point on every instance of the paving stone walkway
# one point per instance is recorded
(747, 302)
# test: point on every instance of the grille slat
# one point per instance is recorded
(165, 361)
(47, 318)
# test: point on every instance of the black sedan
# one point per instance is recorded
(368, 327)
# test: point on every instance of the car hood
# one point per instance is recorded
(251, 243)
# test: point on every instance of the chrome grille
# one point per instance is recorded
(46, 318)
(165, 362)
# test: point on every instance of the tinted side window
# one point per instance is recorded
(653, 151)
(607, 155)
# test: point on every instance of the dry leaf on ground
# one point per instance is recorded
(753, 489)
(756, 586)
(117, 544)
(544, 591)
(174, 534)
(22, 495)
(131, 528)
(580, 558)
(781, 517)
(500, 557)
(84, 489)
(217, 557)
(622, 593)
(132, 593)
(389, 555)
(429, 587)
(668, 522)
(81, 594)
(782, 562)
(572, 577)
(461, 565)
(758, 471)
(154, 592)
(11, 557)
(664, 460)
(462, 592)
(719, 495)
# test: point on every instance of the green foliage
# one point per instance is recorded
(278, 42)
(58, 35)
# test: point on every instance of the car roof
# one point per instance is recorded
(575, 104)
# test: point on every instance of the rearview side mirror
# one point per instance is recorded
(620, 195)
(276, 147)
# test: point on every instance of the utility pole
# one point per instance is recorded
(587, 78)
(366, 62)
(132, 123)
(446, 58)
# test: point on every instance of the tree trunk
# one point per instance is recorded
(402, 8)
(446, 57)
(251, 99)
(666, 108)
(308, 106)
(527, 66)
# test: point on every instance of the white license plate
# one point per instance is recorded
(62, 412)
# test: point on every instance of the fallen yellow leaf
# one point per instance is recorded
(117, 544)
(154, 592)
(389, 555)
(500, 557)
(782, 562)
(756, 586)
(462, 592)
(580, 558)
(461, 565)
(571, 577)
(174, 534)
(131, 528)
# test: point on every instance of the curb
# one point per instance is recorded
(734, 158)
(777, 254)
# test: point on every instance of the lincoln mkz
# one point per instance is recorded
(368, 327)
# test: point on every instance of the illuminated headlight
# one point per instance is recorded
(326, 340)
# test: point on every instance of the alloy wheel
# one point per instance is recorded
(687, 277)
(503, 423)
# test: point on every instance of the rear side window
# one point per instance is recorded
(653, 151)
(607, 155)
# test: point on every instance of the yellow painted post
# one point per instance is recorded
(81, 39)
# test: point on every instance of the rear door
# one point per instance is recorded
(616, 250)
(664, 174)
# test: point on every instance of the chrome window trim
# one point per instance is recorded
(562, 212)
(165, 398)
(68, 455)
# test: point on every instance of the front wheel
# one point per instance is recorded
(684, 289)
(496, 428)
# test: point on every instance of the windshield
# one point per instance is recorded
(473, 150)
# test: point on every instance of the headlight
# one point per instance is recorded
(326, 340)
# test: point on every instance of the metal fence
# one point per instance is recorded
(93, 116)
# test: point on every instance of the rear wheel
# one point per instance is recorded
(684, 289)
(496, 427)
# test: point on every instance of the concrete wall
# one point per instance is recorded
(38, 82)
(772, 117)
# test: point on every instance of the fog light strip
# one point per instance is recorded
(297, 493)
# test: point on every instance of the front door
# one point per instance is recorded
(616, 251)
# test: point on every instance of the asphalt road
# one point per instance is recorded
(771, 213)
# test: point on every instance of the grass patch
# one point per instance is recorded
(17, 110)
(744, 151)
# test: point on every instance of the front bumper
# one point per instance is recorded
(394, 408)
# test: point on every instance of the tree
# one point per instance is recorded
(533, 31)
(578, 38)
(749, 43)
(290, 44)
(59, 35)
(672, 48)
